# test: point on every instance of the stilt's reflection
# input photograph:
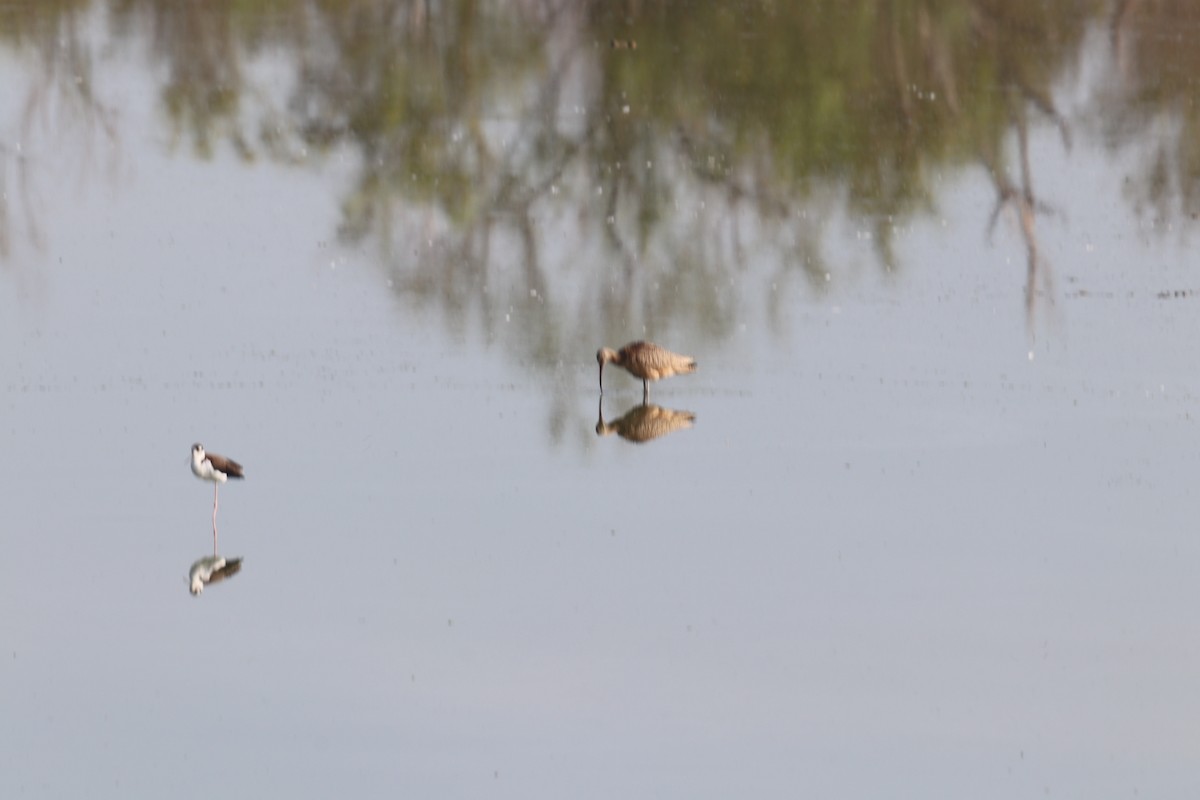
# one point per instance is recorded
(645, 422)
(211, 569)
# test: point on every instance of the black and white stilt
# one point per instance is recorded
(215, 468)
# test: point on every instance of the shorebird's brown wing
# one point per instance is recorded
(227, 465)
(646, 359)
(636, 349)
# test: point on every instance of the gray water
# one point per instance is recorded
(930, 534)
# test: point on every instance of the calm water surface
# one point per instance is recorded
(930, 533)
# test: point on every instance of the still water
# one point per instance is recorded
(921, 524)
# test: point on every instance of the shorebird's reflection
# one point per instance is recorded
(645, 422)
(211, 569)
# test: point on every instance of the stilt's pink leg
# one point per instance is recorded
(215, 486)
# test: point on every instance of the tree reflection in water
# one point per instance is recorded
(514, 166)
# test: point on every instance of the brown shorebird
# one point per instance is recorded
(211, 569)
(215, 468)
(645, 422)
(646, 361)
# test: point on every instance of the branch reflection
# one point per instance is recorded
(589, 168)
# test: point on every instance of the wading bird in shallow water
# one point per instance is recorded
(645, 422)
(211, 569)
(215, 468)
(646, 361)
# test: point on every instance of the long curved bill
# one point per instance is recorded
(601, 379)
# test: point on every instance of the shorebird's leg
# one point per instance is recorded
(645, 391)
(215, 487)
